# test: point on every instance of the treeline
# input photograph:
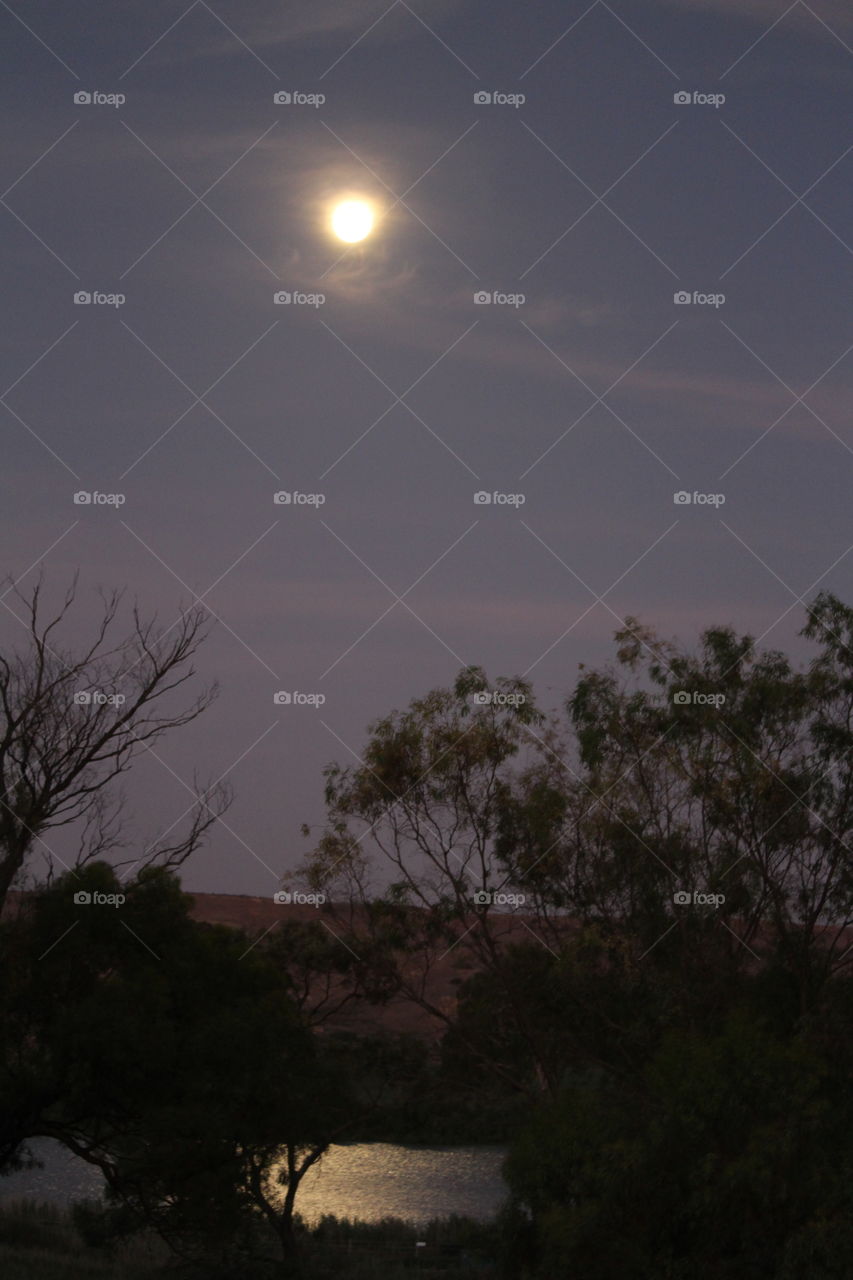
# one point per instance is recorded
(652, 889)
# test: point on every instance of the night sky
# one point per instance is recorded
(581, 200)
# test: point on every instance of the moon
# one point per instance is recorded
(352, 220)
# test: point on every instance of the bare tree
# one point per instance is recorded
(72, 722)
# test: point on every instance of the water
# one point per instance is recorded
(366, 1181)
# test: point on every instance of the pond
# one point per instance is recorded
(365, 1181)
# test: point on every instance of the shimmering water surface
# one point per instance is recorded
(367, 1181)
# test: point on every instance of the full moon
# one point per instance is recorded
(352, 220)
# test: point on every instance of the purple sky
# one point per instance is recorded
(597, 199)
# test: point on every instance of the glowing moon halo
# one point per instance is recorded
(352, 220)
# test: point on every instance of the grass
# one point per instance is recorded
(40, 1242)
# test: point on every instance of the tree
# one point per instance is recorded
(72, 722)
